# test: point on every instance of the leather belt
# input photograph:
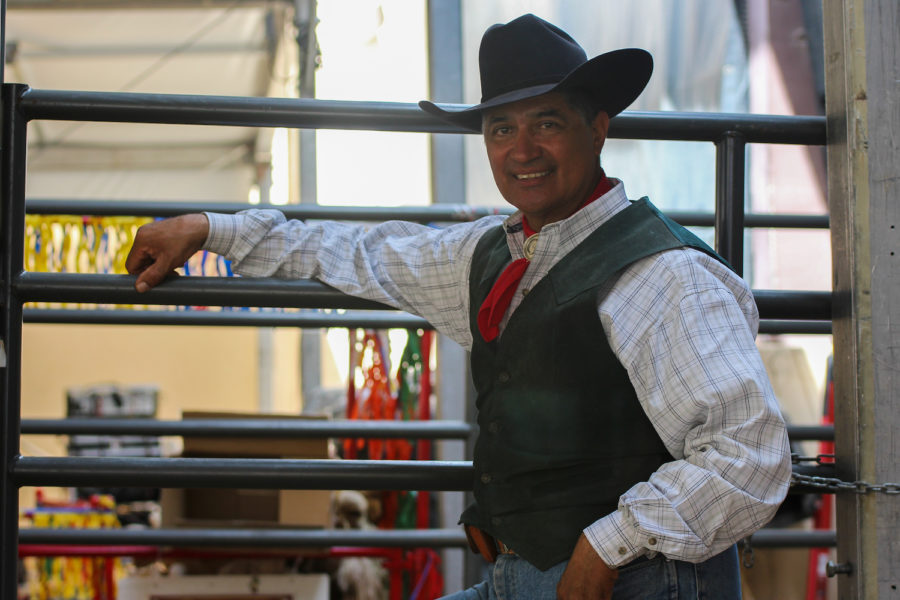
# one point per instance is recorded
(483, 543)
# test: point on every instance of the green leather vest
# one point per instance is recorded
(562, 434)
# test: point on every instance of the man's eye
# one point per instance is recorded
(548, 125)
(501, 130)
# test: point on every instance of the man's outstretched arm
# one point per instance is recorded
(162, 246)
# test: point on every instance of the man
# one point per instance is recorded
(628, 432)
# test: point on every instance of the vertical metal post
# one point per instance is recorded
(3, 41)
(730, 153)
(448, 186)
(305, 19)
(448, 167)
(12, 225)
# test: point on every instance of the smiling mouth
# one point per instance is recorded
(525, 176)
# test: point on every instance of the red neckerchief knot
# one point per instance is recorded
(497, 302)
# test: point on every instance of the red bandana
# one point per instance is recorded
(497, 302)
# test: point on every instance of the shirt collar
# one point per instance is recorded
(571, 231)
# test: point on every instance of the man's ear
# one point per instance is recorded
(600, 127)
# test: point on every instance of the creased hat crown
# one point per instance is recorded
(525, 52)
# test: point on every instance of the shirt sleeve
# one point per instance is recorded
(686, 339)
(416, 268)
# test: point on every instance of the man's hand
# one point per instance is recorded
(162, 246)
(586, 576)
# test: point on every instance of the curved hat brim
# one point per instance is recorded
(614, 79)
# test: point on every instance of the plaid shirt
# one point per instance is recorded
(681, 324)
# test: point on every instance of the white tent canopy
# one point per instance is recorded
(188, 47)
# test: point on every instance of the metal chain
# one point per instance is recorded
(747, 558)
(820, 459)
(833, 484)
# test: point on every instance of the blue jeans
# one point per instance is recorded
(512, 578)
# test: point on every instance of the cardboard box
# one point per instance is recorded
(209, 507)
(233, 587)
(253, 447)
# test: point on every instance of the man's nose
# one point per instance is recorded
(524, 147)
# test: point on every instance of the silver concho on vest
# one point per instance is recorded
(530, 245)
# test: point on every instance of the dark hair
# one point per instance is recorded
(582, 102)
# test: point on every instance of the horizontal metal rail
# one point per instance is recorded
(793, 305)
(261, 473)
(272, 538)
(787, 326)
(264, 292)
(821, 433)
(420, 214)
(387, 116)
(293, 428)
(352, 320)
(194, 291)
(270, 428)
(230, 318)
(297, 538)
(791, 538)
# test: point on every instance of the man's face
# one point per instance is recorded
(544, 156)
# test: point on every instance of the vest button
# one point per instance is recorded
(503, 377)
(486, 478)
(495, 520)
(493, 427)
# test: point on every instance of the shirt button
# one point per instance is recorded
(503, 377)
(652, 541)
(525, 292)
(622, 550)
(486, 478)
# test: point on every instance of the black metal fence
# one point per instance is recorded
(781, 311)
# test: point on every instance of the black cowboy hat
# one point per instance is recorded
(528, 57)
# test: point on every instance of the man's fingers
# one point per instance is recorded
(161, 246)
(150, 277)
(137, 262)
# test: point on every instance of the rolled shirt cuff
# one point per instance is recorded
(616, 540)
(222, 233)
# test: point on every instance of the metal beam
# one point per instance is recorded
(293, 428)
(457, 212)
(387, 116)
(263, 473)
(298, 538)
(12, 232)
(789, 538)
(730, 156)
(264, 292)
(270, 428)
(230, 318)
(267, 538)
(192, 291)
(284, 474)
